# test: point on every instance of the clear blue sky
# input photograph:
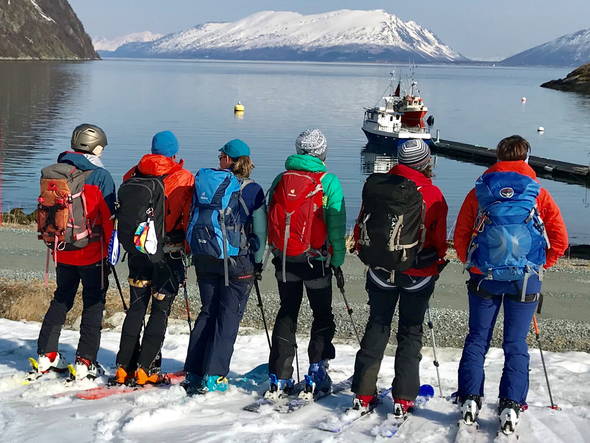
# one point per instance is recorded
(485, 29)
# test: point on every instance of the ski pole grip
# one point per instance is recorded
(536, 325)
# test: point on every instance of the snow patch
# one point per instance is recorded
(40, 11)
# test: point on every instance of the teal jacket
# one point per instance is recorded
(334, 207)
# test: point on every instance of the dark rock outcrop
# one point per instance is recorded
(578, 81)
(42, 30)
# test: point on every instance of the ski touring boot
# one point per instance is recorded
(470, 406)
(402, 407)
(45, 363)
(509, 415)
(216, 383)
(121, 377)
(84, 369)
(363, 404)
(143, 377)
(194, 384)
(279, 388)
(317, 381)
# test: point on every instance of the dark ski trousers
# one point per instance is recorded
(211, 344)
(95, 283)
(483, 312)
(146, 280)
(382, 303)
(317, 280)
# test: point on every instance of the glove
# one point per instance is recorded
(258, 271)
(339, 276)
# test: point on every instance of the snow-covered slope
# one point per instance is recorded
(567, 50)
(337, 35)
(112, 44)
(41, 412)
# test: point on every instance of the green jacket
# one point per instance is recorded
(334, 207)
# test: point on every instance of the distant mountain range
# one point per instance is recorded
(344, 35)
(106, 44)
(567, 50)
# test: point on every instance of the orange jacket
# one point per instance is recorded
(548, 210)
(178, 187)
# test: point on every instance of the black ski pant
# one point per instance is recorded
(95, 283)
(160, 284)
(317, 279)
(211, 344)
(382, 303)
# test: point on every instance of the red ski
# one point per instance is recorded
(99, 392)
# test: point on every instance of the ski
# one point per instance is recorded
(298, 403)
(392, 425)
(466, 432)
(263, 404)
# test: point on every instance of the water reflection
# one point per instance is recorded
(377, 158)
(33, 95)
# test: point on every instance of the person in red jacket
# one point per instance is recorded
(411, 288)
(515, 181)
(139, 362)
(84, 264)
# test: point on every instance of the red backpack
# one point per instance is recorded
(296, 215)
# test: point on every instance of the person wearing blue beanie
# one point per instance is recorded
(165, 143)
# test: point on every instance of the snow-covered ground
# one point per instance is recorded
(41, 411)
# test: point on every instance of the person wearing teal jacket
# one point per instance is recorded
(312, 270)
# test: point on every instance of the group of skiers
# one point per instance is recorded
(508, 231)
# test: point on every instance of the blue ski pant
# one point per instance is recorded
(211, 344)
(483, 312)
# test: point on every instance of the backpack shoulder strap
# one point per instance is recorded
(245, 182)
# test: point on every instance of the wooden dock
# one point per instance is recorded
(544, 167)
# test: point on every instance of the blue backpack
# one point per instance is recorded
(216, 227)
(509, 241)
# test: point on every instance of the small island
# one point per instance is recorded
(577, 81)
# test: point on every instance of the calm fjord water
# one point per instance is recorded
(40, 104)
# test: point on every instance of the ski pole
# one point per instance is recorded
(340, 283)
(262, 312)
(188, 309)
(297, 361)
(435, 362)
(119, 287)
(537, 336)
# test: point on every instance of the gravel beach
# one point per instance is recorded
(564, 323)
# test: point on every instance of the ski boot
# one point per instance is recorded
(51, 361)
(317, 380)
(121, 377)
(279, 387)
(509, 415)
(470, 406)
(84, 369)
(363, 404)
(402, 407)
(153, 377)
(194, 384)
(216, 383)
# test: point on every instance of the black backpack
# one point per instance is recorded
(391, 222)
(141, 199)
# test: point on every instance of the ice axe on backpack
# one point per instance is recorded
(340, 283)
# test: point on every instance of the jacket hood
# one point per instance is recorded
(156, 164)
(77, 159)
(518, 166)
(304, 162)
(411, 174)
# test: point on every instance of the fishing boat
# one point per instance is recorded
(399, 118)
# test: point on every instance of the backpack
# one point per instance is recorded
(216, 226)
(391, 223)
(296, 223)
(62, 218)
(141, 211)
(509, 241)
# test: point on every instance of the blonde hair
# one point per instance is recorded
(242, 166)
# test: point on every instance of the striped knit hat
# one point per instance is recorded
(414, 153)
(312, 142)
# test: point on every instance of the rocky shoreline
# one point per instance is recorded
(576, 81)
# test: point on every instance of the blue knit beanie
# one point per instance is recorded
(165, 143)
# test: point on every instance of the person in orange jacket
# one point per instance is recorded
(139, 361)
(484, 239)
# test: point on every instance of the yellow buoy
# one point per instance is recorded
(239, 107)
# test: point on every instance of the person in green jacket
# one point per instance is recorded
(312, 269)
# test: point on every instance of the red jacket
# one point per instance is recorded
(178, 187)
(435, 219)
(548, 210)
(99, 194)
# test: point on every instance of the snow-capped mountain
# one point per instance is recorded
(567, 50)
(112, 44)
(343, 35)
